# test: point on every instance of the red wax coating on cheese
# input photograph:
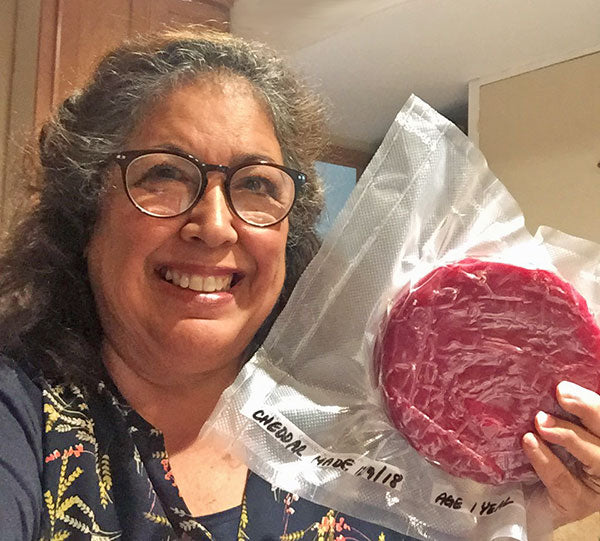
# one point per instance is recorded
(472, 352)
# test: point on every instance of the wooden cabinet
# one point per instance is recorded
(74, 34)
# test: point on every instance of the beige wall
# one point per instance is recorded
(19, 21)
(540, 132)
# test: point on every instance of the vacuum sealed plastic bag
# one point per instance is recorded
(396, 384)
(469, 354)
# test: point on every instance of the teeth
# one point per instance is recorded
(196, 282)
(210, 284)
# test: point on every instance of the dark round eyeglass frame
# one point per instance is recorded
(125, 158)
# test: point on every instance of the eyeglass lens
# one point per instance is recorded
(166, 185)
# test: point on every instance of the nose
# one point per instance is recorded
(211, 220)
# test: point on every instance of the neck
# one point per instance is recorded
(178, 409)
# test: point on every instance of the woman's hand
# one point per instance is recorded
(571, 497)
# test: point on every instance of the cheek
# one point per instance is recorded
(115, 252)
(104, 271)
(278, 256)
(269, 253)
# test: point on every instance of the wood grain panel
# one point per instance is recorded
(86, 30)
(46, 59)
(75, 34)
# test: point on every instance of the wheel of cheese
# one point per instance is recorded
(472, 352)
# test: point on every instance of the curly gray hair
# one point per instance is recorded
(47, 312)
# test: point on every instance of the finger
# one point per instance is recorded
(577, 440)
(563, 488)
(581, 402)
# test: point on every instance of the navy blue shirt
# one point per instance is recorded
(75, 465)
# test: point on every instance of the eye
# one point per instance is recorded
(162, 184)
(261, 193)
(151, 175)
(161, 173)
(257, 185)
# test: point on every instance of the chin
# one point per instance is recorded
(196, 357)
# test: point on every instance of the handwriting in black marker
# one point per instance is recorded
(449, 501)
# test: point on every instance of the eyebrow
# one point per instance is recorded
(237, 159)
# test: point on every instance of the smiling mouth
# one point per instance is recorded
(200, 282)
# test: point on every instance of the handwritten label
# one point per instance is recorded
(448, 500)
(280, 432)
(383, 475)
(444, 496)
(340, 463)
(303, 448)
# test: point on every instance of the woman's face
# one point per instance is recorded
(163, 331)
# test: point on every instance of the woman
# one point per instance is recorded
(174, 213)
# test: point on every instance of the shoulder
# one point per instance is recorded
(20, 383)
(20, 405)
(21, 450)
(20, 398)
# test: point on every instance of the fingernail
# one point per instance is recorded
(531, 440)
(569, 390)
(545, 420)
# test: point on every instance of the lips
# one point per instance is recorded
(203, 283)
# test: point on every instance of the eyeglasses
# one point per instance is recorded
(165, 183)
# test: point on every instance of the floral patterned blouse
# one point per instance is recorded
(75, 467)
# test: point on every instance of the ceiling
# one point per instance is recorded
(367, 56)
